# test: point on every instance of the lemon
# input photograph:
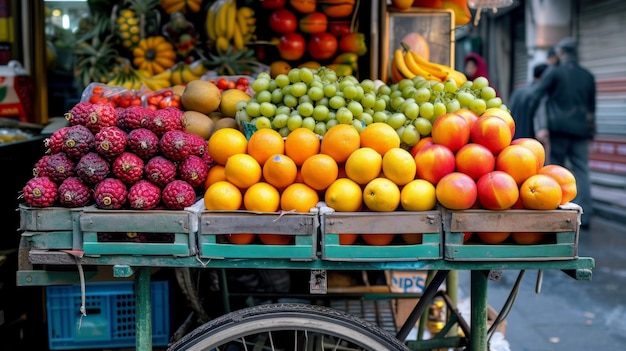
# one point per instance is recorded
(230, 99)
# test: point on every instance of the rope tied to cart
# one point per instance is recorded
(81, 275)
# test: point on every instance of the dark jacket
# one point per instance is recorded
(571, 99)
(523, 105)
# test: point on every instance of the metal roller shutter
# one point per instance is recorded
(602, 49)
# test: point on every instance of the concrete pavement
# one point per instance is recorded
(569, 315)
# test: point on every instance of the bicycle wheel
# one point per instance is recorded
(288, 327)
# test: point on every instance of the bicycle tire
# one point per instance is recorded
(289, 317)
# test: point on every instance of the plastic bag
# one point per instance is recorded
(161, 99)
(114, 95)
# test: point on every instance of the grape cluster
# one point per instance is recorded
(317, 99)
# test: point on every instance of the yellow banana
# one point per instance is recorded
(222, 45)
(231, 19)
(238, 42)
(434, 68)
(165, 75)
(241, 22)
(222, 18)
(176, 78)
(187, 75)
(246, 11)
(197, 68)
(398, 61)
(458, 77)
(211, 20)
(251, 21)
(417, 69)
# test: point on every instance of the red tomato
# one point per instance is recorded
(322, 46)
(291, 46)
(339, 29)
(283, 21)
(273, 4)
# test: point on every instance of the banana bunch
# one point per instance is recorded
(184, 73)
(158, 81)
(409, 64)
(127, 78)
(229, 26)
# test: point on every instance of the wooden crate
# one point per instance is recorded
(560, 227)
(51, 228)
(215, 225)
(367, 223)
(135, 232)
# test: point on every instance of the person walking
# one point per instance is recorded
(570, 107)
(523, 105)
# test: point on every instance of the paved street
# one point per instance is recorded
(568, 314)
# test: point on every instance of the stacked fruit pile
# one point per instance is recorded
(319, 99)
(118, 158)
(311, 33)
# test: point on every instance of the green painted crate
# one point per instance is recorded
(51, 228)
(428, 223)
(136, 232)
(47, 218)
(215, 225)
(560, 227)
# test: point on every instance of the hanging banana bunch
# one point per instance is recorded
(230, 27)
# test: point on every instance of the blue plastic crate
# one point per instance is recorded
(110, 319)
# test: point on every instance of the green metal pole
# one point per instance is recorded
(478, 314)
(143, 317)
(452, 290)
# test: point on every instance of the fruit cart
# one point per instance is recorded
(61, 237)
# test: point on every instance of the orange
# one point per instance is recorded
(223, 196)
(399, 166)
(381, 195)
(280, 171)
(261, 197)
(301, 144)
(242, 170)
(264, 143)
(225, 143)
(344, 195)
(528, 238)
(565, 178)
(241, 238)
(412, 238)
(340, 141)
(380, 137)
(363, 165)
(298, 197)
(319, 171)
(216, 173)
(275, 239)
(418, 195)
(378, 239)
(517, 161)
(347, 238)
(493, 237)
(541, 192)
